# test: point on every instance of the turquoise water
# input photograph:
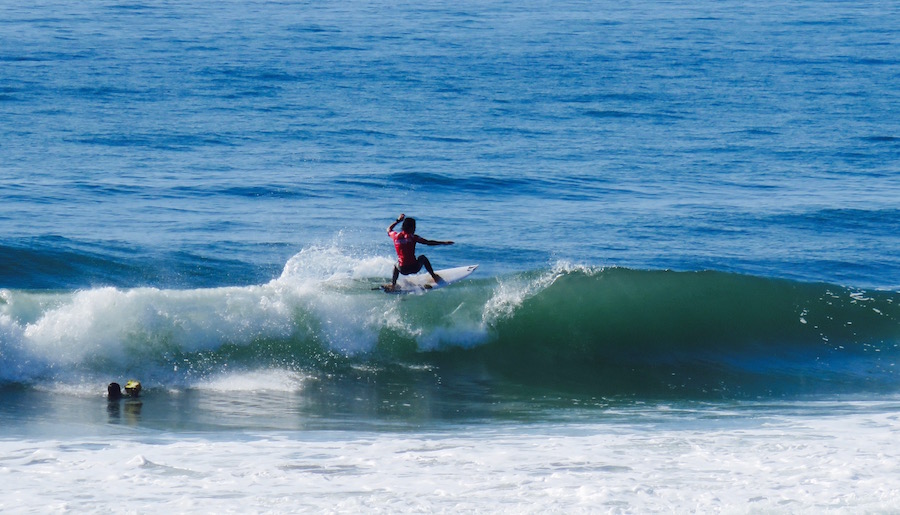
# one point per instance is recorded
(685, 218)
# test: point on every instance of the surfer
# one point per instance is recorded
(132, 389)
(405, 244)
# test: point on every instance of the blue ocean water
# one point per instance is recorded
(677, 207)
(205, 144)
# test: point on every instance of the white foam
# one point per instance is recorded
(331, 264)
(253, 381)
(322, 296)
(806, 464)
(511, 292)
(117, 325)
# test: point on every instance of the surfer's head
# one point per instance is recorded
(409, 225)
(114, 391)
(133, 388)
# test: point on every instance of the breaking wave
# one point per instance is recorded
(610, 331)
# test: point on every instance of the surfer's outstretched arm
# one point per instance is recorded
(433, 242)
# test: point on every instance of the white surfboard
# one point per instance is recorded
(422, 282)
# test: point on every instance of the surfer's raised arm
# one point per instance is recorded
(397, 221)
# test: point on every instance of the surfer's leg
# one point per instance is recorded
(395, 276)
(427, 264)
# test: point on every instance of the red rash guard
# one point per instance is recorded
(405, 244)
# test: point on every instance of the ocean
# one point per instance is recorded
(686, 216)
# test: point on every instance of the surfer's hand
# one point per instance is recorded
(401, 217)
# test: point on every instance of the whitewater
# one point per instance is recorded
(718, 462)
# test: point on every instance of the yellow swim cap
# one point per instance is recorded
(133, 388)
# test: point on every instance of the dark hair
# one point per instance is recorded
(409, 225)
(114, 391)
